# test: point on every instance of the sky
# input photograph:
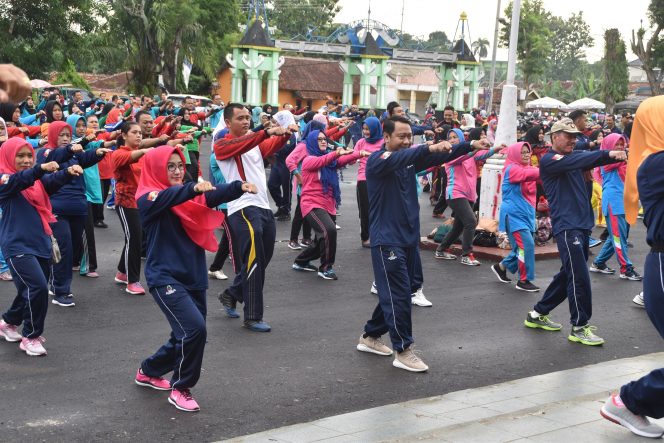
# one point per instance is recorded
(424, 16)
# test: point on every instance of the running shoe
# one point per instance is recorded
(182, 399)
(638, 300)
(615, 410)
(6, 276)
(33, 346)
(284, 217)
(601, 268)
(229, 304)
(121, 278)
(440, 216)
(218, 275)
(305, 242)
(373, 345)
(294, 245)
(337, 226)
(409, 361)
(469, 260)
(76, 268)
(540, 321)
(444, 255)
(419, 299)
(9, 332)
(328, 274)
(66, 301)
(158, 383)
(135, 288)
(101, 224)
(92, 274)
(500, 273)
(593, 242)
(585, 335)
(257, 326)
(305, 267)
(374, 289)
(631, 274)
(526, 285)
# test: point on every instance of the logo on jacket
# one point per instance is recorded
(385, 155)
(152, 196)
(392, 256)
(576, 241)
(170, 290)
(4, 179)
(558, 156)
(46, 152)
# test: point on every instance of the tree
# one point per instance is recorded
(68, 74)
(480, 48)
(534, 38)
(651, 53)
(568, 37)
(438, 41)
(615, 76)
(294, 17)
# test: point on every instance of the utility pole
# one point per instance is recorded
(492, 78)
(403, 7)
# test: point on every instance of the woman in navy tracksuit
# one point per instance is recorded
(25, 238)
(179, 225)
(70, 205)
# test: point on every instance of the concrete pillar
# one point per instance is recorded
(413, 101)
(474, 87)
(347, 92)
(273, 79)
(381, 84)
(237, 76)
(365, 83)
(442, 87)
(459, 86)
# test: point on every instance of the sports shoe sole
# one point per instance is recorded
(499, 277)
(631, 278)
(324, 277)
(64, 305)
(526, 290)
(531, 325)
(231, 312)
(397, 364)
(426, 304)
(640, 305)
(470, 264)
(10, 340)
(122, 282)
(612, 418)
(30, 353)
(364, 348)
(134, 292)
(574, 339)
(171, 401)
(149, 385)
(602, 271)
(211, 275)
(294, 248)
(300, 268)
(440, 257)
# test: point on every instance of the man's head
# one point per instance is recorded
(237, 119)
(394, 108)
(563, 136)
(579, 119)
(145, 121)
(288, 107)
(216, 100)
(147, 100)
(77, 97)
(188, 103)
(102, 95)
(448, 114)
(93, 122)
(397, 133)
(136, 101)
(625, 118)
(610, 121)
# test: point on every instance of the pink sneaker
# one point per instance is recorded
(10, 332)
(135, 288)
(33, 346)
(121, 278)
(182, 399)
(157, 383)
(92, 274)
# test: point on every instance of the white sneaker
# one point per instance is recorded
(374, 289)
(638, 300)
(33, 346)
(337, 226)
(218, 275)
(10, 332)
(419, 299)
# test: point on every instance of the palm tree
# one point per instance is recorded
(480, 48)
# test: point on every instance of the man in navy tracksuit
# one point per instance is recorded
(561, 170)
(395, 234)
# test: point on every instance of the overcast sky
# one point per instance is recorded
(424, 16)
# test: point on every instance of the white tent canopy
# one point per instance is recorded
(546, 103)
(586, 103)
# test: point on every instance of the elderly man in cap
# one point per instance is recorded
(561, 171)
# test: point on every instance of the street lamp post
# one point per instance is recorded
(492, 78)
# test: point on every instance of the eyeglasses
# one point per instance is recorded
(322, 139)
(172, 167)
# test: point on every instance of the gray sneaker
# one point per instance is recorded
(615, 410)
(541, 322)
(585, 335)
(373, 345)
(409, 361)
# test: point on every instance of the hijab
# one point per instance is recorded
(609, 142)
(320, 118)
(474, 134)
(54, 130)
(514, 154)
(532, 136)
(312, 126)
(48, 109)
(72, 120)
(647, 137)
(7, 112)
(459, 133)
(328, 174)
(375, 130)
(198, 221)
(36, 194)
(491, 132)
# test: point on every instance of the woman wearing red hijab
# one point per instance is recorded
(25, 238)
(178, 222)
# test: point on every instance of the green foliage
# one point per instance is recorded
(615, 75)
(438, 41)
(294, 17)
(67, 74)
(568, 37)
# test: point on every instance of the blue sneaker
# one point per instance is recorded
(328, 274)
(306, 267)
(229, 304)
(593, 242)
(257, 326)
(64, 300)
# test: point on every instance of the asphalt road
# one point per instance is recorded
(307, 367)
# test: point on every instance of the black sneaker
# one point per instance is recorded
(631, 274)
(501, 274)
(101, 224)
(305, 267)
(525, 285)
(601, 268)
(284, 217)
(229, 304)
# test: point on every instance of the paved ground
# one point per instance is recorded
(307, 368)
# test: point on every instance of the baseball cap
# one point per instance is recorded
(565, 125)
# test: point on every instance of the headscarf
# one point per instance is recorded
(514, 154)
(595, 134)
(54, 130)
(458, 132)
(528, 188)
(7, 112)
(48, 109)
(475, 134)
(198, 221)
(491, 132)
(375, 130)
(256, 115)
(609, 142)
(313, 125)
(308, 116)
(647, 138)
(3, 125)
(72, 120)
(320, 118)
(36, 194)
(532, 136)
(328, 174)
